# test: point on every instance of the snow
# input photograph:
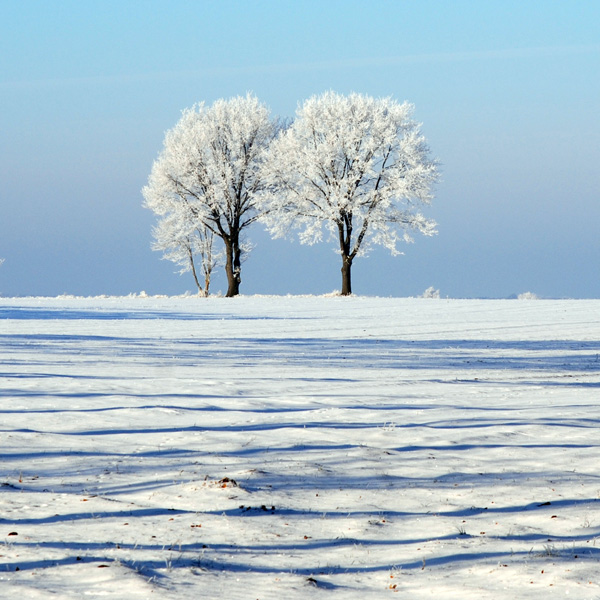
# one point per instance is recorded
(294, 447)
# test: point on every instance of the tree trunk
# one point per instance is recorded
(206, 283)
(346, 276)
(233, 267)
(345, 235)
(201, 292)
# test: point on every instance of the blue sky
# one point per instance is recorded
(508, 93)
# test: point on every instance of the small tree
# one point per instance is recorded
(358, 166)
(185, 245)
(208, 173)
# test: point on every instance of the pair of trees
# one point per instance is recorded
(354, 167)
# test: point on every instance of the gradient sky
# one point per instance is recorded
(508, 93)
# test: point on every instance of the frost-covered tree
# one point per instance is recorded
(187, 243)
(208, 173)
(355, 166)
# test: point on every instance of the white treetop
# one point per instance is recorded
(354, 165)
(208, 174)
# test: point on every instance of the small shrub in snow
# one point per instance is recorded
(431, 292)
(527, 296)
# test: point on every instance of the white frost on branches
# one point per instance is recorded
(206, 179)
(354, 165)
(187, 243)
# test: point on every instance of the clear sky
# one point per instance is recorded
(508, 93)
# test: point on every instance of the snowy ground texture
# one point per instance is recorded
(297, 447)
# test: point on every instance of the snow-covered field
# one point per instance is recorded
(297, 447)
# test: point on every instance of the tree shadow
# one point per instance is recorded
(312, 363)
